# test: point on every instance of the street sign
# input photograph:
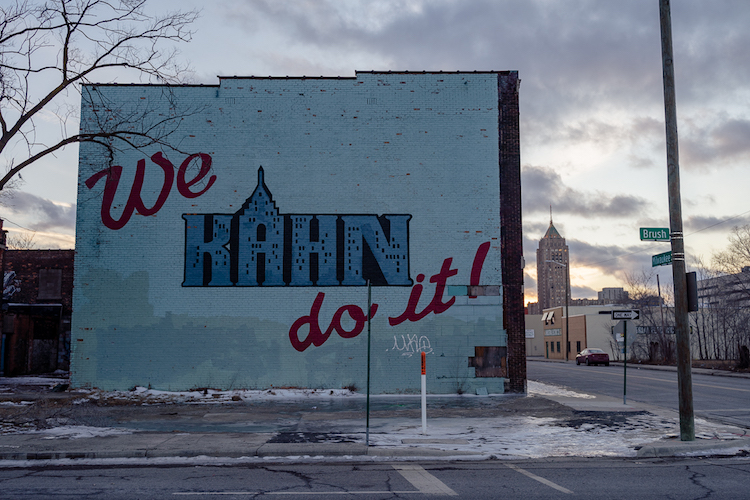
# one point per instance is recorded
(654, 234)
(619, 332)
(634, 314)
(662, 259)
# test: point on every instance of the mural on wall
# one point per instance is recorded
(135, 202)
(437, 305)
(243, 258)
(258, 246)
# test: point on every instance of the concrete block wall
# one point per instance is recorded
(361, 155)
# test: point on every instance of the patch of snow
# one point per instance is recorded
(80, 431)
(209, 396)
(30, 381)
(16, 403)
(541, 389)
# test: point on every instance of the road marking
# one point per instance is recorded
(540, 479)
(423, 480)
(327, 493)
(694, 383)
(674, 382)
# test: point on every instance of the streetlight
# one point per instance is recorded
(567, 288)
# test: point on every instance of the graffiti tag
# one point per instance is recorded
(411, 344)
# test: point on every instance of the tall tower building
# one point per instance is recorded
(553, 278)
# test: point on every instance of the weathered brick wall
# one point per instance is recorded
(512, 234)
(395, 177)
(27, 263)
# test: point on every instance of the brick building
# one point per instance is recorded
(243, 258)
(36, 310)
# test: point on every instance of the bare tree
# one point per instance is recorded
(655, 341)
(50, 49)
(734, 262)
(22, 241)
(732, 284)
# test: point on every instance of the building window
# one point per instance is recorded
(578, 346)
(50, 284)
(558, 347)
(568, 345)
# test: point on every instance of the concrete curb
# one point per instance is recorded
(664, 449)
(665, 368)
(267, 451)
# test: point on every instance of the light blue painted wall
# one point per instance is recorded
(425, 145)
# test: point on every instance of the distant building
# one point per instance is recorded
(533, 308)
(590, 326)
(552, 269)
(730, 290)
(585, 302)
(613, 296)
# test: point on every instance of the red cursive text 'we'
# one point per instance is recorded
(135, 202)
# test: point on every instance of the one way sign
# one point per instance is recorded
(634, 314)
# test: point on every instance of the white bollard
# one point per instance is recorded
(424, 393)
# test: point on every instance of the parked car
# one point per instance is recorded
(592, 356)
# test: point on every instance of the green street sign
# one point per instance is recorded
(663, 259)
(654, 234)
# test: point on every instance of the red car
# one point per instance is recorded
(592, 356)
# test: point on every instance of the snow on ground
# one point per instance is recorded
(32, 380)
(541, 389)
(80, 431)
(501, 437)
(210, 396)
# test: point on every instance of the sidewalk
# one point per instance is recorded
(293, 425)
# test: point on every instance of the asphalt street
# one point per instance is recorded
(600, 478)
(718, 397)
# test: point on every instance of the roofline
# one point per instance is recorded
(303, 77)
(374, 72)
(205, 85)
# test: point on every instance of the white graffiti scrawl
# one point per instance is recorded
(411, 344)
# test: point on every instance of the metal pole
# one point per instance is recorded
(567, 322)
(625, 361)
(369, 317)
(682, 331)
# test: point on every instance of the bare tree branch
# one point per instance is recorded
(59, 46)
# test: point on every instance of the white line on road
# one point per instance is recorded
(423, 480)
(537, 478)
(675, 381)
(327, 493)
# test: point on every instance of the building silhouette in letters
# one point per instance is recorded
(258, 246)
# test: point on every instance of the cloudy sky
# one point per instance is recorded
(592, 115)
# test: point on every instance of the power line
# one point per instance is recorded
(19, 225)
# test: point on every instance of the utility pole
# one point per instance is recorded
(682, 326)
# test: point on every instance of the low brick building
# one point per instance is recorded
(37, 306)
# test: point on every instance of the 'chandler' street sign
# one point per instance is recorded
(654, 234)
(662, 259)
